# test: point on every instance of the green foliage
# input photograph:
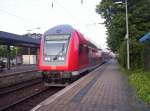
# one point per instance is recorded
(122, 54)
(114, 21)
(141, 81)
(13, 51)
(139, 24)
(3, 52)
(146, 54)
(136, 55)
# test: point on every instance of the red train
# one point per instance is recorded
(65, 54)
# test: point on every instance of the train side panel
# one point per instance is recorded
(72, 56)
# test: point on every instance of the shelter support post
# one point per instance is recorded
(8, 57)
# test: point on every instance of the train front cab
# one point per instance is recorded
(60, 72)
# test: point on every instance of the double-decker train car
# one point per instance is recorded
(65, 54)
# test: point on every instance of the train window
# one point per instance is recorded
(56, 44)
(83, 48)
(80, 48)
(55, 47)
(87, 49)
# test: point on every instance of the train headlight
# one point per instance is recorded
(47, 58)
(61, 58)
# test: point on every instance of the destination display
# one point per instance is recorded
(57, 37)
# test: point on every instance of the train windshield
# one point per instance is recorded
(56, 45)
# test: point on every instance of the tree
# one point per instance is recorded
(139, 24)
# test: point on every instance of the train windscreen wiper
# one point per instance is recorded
(56, 56)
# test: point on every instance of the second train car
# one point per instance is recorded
(66, 54)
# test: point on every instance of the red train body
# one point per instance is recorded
(65, 53)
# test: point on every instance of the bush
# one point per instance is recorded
(136, 55)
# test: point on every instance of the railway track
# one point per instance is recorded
(18, 86)
(16, 96)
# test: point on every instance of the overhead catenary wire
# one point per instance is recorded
(16, 16)
(11, 14)
(20, 18)
(53, 2)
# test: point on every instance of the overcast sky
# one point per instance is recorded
(20, 16)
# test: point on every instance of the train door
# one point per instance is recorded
(83, 55)
(90, 56)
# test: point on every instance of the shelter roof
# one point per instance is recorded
(18, 40)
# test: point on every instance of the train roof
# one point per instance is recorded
(60, 29)
(67, 29)
(92, 45)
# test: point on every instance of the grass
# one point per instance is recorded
(141, 81)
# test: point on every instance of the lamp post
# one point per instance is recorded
(127, 36)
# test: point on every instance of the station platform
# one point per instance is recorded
(18, 69)
(104, 89)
